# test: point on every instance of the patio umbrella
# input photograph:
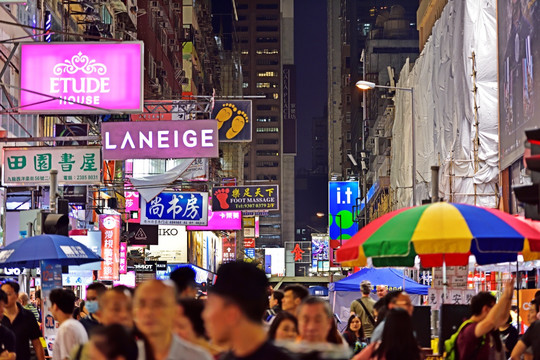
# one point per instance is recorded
(441, 234)
(28, 252)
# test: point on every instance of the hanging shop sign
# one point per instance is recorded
(342, 198)
(221, 220)
(109, 225)
(123, 258)
(245, 198)
(234, 120)
(31, 166)
(141, 235)
(160, 139)
(175, 208)
(76, 78)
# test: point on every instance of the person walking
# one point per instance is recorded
(23, 323)
(354, 334)
(363, 308)
(155, 310)
(25, 302)
(398, 341)
(382, 290)
(93, 293)
(315, 320)
(293, 295)
(284, 327)
(395, 299)
(234, 310)
(7, 337)
(71, 333)
(274, 305)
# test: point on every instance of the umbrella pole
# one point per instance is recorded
(517, 291)
(444, 277)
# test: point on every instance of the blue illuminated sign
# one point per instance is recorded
(175, 208)
(342, 198)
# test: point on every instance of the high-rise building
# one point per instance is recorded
(265, 34)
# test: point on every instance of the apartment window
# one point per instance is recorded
(241, 6)
(245, 52)
(348, 136)
(348, 117)
(267, 51)
(267, 164)
(267, 119)
(242, 17)
(263, 85)
(267, 153)
(245, 85)
(266, 39)
(275, 96)
(267, 74)
(267, 18)
(267, 28)
(268, 108)
(242, 28)
(267, 141)
(267, 130)
(267, 6)
(267, 62)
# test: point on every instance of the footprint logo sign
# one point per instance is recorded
(234, 120)
(222, 195)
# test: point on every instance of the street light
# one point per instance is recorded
(368, 85)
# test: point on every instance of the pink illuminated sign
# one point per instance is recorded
(123, 258)
(220, 220)
(160, 139)
(81, 77)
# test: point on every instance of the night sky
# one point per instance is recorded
(311, 72)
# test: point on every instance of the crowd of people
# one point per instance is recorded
(241, 319)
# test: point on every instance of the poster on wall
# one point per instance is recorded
(519, 75)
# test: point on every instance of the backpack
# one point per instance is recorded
(450, 345)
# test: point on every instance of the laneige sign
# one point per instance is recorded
(160, 139)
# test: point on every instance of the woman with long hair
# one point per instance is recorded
(398, 341)
(284, 327)
(354, 334)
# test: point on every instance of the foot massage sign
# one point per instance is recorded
(75, 78)
(234, 120)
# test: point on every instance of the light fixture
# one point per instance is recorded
(352, 159)
(365, 85)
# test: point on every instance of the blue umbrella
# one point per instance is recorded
(28, 252)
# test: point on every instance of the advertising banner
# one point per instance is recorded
(249, 243)
(221, 220)
(31, 166)
(234, 120)
(342, 197)
(245, 198)
(229, 247)
(86, 77)
(51, 278)
(320, 252)
(160, 139)
(110, 247)
(122, 267)
(132, 205)
(142, 235)
(519, 109)
(176, 208)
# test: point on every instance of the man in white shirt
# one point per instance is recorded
(71, 333)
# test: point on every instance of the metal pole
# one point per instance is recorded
(53, 190)
(413, 132)
(365, 199)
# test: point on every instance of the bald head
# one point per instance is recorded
(23, 299)
(155, 308)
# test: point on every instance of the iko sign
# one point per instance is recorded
(342, 197)
(75, 78)
(32, 165)
(175, 208)
(160, 139)
(245, 198)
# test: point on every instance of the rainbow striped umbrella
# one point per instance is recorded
(441, 233)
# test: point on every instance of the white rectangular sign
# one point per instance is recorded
(29, 166)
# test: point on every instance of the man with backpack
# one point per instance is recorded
(363, 308)
(477, 337)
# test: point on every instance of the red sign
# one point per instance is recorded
(297, 253)
(249, 243)
(229, 247)
(123, 258)
(109, 225)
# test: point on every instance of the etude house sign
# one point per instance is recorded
(75, 78)
(159, 139)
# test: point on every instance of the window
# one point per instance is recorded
(241, 6)
(267, 52)
(245, 85)
(267, 18)
(245, 52)
(242, 17)
(267, 6)
(267, 28)
(263, 85)
(267, 141)
(267, 62)
(267, 153)
(268, 108)
(267, 130)
(275, 96)
(242, 28)
(267, 119)
(267, 74)
(266, 39)
(267, 164)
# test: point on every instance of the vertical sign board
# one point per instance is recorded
(51, 278)
(122, 268)
(342, 197)
(289, 109)
(229, 247)
(77, 78)
(110, 247)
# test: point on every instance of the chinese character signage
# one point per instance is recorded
(234, 120)
(342, 198)
(76, 78)
(229, 247)
(122, 268)
(160, 140)
(221, 220)
(132, 205)
(245, 198)
(453, 296)
(175, 208)
(32, 165)
(110, 247)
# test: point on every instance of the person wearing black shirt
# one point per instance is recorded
(234, 311)
(23, 323)
(7, 337)
(509, 336)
